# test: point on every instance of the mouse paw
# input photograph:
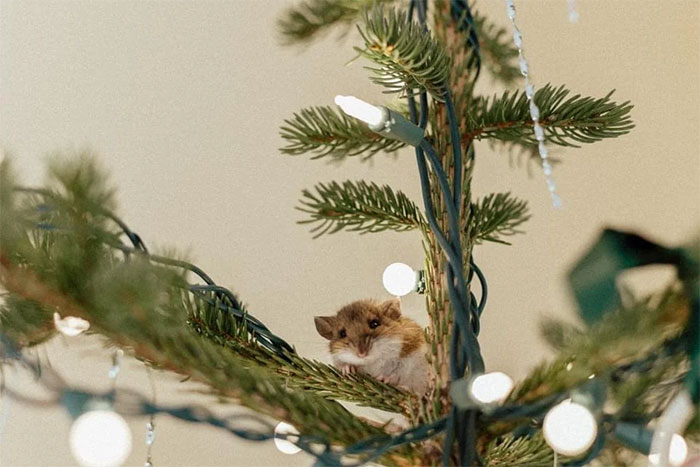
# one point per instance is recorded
(347, 369)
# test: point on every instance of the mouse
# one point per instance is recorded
(372, 337)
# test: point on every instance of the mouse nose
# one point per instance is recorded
(363, 347)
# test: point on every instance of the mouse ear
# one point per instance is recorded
(324, 326)
(392, 308)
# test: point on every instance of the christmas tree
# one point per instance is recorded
(66, 254)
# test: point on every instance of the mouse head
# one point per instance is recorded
(357, 326)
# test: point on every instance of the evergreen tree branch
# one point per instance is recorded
(406, 55)
(566, 121)
(458, 36)
(497, 215)
(639, 329)
(508, 451)
(324, 131)
(135, 303)
(636, 352)
(497, 50)
(310, 19)
(557, 333)
(644, 395)
(154, 332)
(142, 304)
(363, 207)
(358, 207)
(213, 321)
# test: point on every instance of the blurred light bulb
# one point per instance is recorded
(70, 325)
(282, 444)
(677, 453)
(399, 279)
(569, 428)
(360, 109)
(100, 438)
(679, 450)
(492, 388)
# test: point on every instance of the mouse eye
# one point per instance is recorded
(342, 333)
(373, 324)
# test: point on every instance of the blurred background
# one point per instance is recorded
(182, 101)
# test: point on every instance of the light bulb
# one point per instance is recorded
(399, 279)
(569, 428)
(70, 325)
(491, 388)
(360, 109)
(100, 438)
(677, 453)
(282, 444)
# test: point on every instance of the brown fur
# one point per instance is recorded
(355, 318)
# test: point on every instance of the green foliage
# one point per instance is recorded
(324, 131)
(309, 19)
(24, 321)
(210, 318)
(508, 451)
(634, 331)
(135, 301)
(644, 395)
(460, 39)
(497, 215)
(634, 353)
(406, 55)
(498, 52)
(367, 207)
(566, 120)
(61, 251)
(81, 181)
(558, 334)
(358, 207)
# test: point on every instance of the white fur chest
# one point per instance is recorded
(385, 363)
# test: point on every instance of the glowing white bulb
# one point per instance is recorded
(100, 438)
(399, 279)
(70, 325)
(677, 453)
(569, 428)
(679, 450)
(666, 446)
(283, 445)
(360, 109)
(492, 388)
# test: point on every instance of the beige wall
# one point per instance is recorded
(183, 100)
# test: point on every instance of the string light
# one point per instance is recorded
(382, 120)
(151, 425)
(70, 325)
(116, 366)
(666, 445)
(569, 428)
(534, 110)
(281, 442)
(573, 12)
(150, 438)
(361, 110)
(677, 453)
(100, 438)
(400, 279)
(679, 450)
(491, 388)
(639, 438)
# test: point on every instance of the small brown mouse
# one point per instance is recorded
(372, 337)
